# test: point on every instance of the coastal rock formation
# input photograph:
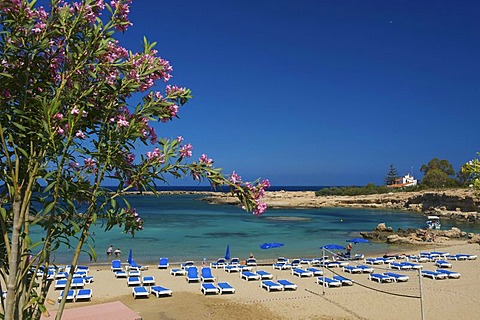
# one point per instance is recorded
(386, 234)
(458, 204)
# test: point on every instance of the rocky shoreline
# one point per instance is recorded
(458, 204)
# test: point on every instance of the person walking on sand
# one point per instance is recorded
(110, 250)
(117, 252)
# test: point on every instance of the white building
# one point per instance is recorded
(405, 181)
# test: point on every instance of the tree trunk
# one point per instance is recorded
(11, 309)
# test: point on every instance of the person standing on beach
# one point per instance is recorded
(110, 250)
(117, 252)
(349, 249)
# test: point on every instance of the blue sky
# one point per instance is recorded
(321, 92)
(313, 92)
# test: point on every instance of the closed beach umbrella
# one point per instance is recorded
(270, 245)
(333, 247)
(227, 253)
(130, 257)
(358, 240)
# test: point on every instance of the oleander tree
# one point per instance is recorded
(68, 122)
(471, 170)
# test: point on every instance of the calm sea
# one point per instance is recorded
(182, 227)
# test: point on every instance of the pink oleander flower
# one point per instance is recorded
(60, 131)
(58, 116)
(186, 151)
(155, 155)
(153, 135)
(265, 183)
(205, 160)
(122, 9)
(75, 111)
(260, 208)
(121, 121)
(179, 138)
(235, 178)
(89, 163)
(80, 134)
(73, 164)
(130, 158)
(170, 90)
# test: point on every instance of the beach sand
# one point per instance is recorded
(366, 299)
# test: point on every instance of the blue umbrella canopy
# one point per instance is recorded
(270, 245)
(227, 253)
(358, 240)
(333, 247)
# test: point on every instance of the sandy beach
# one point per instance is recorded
(366, 299)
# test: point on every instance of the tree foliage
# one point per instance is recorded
(370, 188)
(437, 174)
(392, 175)
(471, 169)
(437, 164)
(67, 123)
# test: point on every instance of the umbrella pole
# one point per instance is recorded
(323, 270)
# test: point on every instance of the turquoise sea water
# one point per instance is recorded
(181, 227)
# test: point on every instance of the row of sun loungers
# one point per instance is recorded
(221, 287)
(335, 281)
(279, 285)
(144, 292)
(76, 295)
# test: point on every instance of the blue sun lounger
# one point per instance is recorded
(270, 285)
(187, 264)
(232, 268)
(251, 262)
(465, 256)
(343, 280)
(208, 288)
(221, 262)
(287, 285)
(400, 266)
(316, 272)
(133, 281)
(83, 294)
(70, 295)
(329, 282)
(139, 292)
(264, 274)
(177, 272)
(163, 263)
(365, 269)
(374, 261)
(301, 273)
(225, 287)
(247, 275)
(206, 274)
(434, 275)
(449, 273)
(192, 274)
(398, 277)
(160, 291)
(148, 280)
(352, 269)
(443, 264)
(412, 265)
(120, 274)
(381, 278)
(116, 265)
